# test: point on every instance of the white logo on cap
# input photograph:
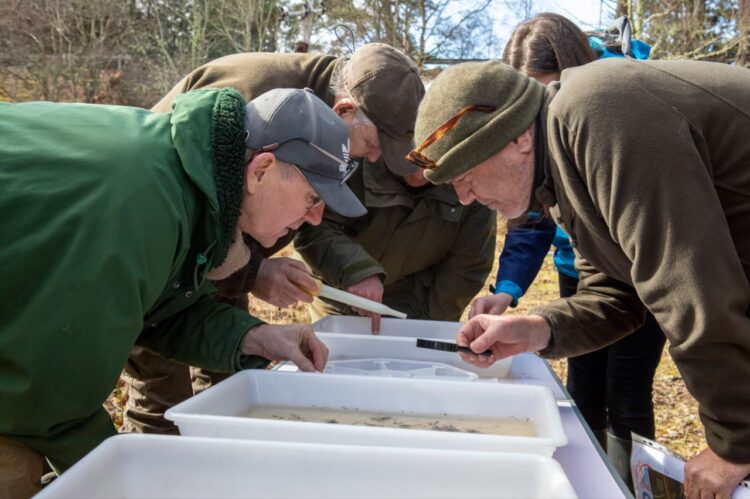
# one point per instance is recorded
(344, 152)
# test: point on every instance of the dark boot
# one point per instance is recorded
(601, 437)
(618, 451)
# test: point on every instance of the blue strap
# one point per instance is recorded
(639, 49)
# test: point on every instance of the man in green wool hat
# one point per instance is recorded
(626, 156)
(117, 220)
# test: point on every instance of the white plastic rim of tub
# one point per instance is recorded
(158, 466)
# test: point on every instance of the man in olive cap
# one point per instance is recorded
(375, 92)
(627, 158)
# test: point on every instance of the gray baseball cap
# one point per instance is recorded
(301, 129)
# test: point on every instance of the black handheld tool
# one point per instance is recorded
(445, 346)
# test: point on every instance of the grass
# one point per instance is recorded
(676, 412)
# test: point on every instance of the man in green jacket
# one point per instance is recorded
(376, 92)
(418, 250)
(645, 165)
(117, 220)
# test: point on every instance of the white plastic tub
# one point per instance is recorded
(411, 328)
(214, 413)
(153, 466)
(365, 346)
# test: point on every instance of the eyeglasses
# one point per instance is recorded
(422, 161)
(316, 200)
(347, 166)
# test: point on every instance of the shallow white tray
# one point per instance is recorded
(214, 412)
(364, 346)
(155, 466)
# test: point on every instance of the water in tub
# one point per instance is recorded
(442, 422)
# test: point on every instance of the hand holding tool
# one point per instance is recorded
(353, 300)
(445, 346)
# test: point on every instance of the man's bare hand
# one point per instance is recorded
(503, 336)
(372, 289)
(295, 342)
(493, 305)
(281, 281)
(708, 475)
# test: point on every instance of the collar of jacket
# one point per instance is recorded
(210, 124)
(384, 189)
(544, 186)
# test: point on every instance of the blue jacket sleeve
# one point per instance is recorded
(525, 247)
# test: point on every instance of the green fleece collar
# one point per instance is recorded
(229, 161)
(208, 129)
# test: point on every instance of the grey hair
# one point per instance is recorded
(287, 169)
(339, 90)
(337, 86)
(361, 119)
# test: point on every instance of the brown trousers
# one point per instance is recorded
(155, 385)
(21, 470)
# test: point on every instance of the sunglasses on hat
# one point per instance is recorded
(422, 161)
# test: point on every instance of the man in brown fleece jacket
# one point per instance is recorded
(646, 165)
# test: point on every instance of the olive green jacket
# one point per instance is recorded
(433, 253)
(649, 166)
(253, 74)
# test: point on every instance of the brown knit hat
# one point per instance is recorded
(476, 136)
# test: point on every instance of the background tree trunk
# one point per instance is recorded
(743, 25)
(623, 8)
